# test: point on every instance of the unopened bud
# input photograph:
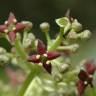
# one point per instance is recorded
(28, 40)
(2, 50)
(72, 35)
(4, 59)
(28, 24)
(76, 25)
(85, 34)
(45, 27)
(74, 47)
(64, 68)
(58, 77)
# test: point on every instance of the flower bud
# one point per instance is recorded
(4, 59)
(28, 24)
(64, 68)
(45, 27)
(58, 77)
(2, 50)
(76, 25)
(28, 40)
(85, 34)
(72, 35)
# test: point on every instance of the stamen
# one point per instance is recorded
(45, 55)
(85, 82)
(37, 56)
(47, 62)
(40, 64)
(90, 76)
(14, 28)
(6, 30)
(14, 20)
(6, 22)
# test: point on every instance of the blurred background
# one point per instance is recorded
(39, 11)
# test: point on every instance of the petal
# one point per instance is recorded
(90, 67)
(48, 67)
(53, 55)
(83, 75)
(2, 28)
(19, 27)
(12, 36)
(41, 47)
(80, 87)
(11, 19)
(33, 58)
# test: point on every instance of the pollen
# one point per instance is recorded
(47, 62)
(37, 56)
(40, 64)
(6, 22)
(14, 20)
(6, 30)
(45, 55)
(85, 82)
(14, 28)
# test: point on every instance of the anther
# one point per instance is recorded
(37, 56)
(45, 55)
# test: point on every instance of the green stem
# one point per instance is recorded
(19, 49)
(34, 72)
(57, 41)
(48, 38)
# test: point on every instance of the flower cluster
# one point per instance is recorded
(11, 27)
(86, 76)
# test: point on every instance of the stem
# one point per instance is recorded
(20, 50)
(48, 38)
(34, 72)
(57, 41)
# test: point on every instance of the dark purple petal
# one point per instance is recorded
(41, 47)
(48, 67)
(33, 58)
(52, 55)
(19, 27)
(12, 36)
(2, 28)
(83, 75)
(90, 67)
(81, 87)
(11, 18)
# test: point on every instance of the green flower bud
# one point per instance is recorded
(76, 25)
(64, 68)
(28, 24)
(4, 59)
(85, 34)
(72, 35)
(58, 77)
(28, 40)
(45, 27)
(2, 50)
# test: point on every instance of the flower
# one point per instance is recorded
(86, 76)
(43, 57)
(11, 27)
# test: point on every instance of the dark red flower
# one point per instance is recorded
(11, 27)
(43, 57)
(86, 76)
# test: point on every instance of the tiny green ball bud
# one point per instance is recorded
(76, 25)
(64, 68)
(45, 27)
